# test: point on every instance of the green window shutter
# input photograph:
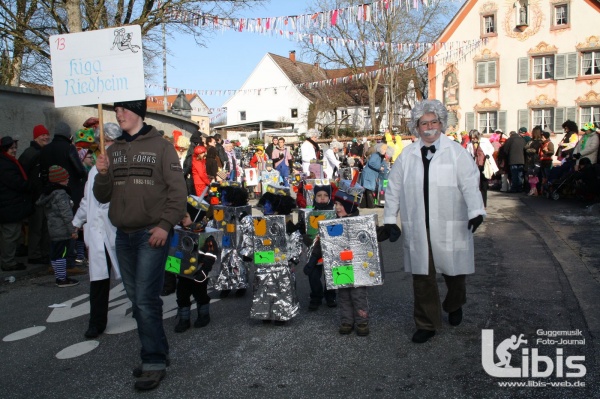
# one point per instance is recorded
(523, 70)
(469, 121)
(560, 66)
(523, 117)
(491, 72)
(502, 121)
(481, 73)
(559, 118)
(571, 69)
(571, 114)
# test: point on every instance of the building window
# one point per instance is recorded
(486, 73)
(543, 67)
(590, 114)
(242, 115)
(561, 14)
(488, 122)
(294, 112)
(488, 24)
(367, 112)
(343, 112)
(590, 63)
(543, 117)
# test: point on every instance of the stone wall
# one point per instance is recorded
(21, 109)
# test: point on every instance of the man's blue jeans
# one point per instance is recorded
(516, 178)
(143, 270)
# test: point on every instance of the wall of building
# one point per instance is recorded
(274, 102)
(21, 109)
(508, 96)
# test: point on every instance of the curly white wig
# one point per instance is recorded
(426, 107)
(313, 133)
(112, 131)
(336, 144)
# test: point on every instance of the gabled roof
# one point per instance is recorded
(156, 102)
(351, 93)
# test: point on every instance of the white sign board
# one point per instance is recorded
(97, 67)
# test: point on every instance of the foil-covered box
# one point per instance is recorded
(311, 219)
(270, 243)
(350, 252)
(355, 191)
(227, 218)
(183, 251)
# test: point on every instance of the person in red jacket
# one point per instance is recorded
(201, 179)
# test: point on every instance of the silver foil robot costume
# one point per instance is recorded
(275, 247)
(233, 270)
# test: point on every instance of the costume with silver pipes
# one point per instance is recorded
(233, 271)
(274, 243)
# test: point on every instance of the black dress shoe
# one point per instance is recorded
(93, 332)
(224, 294)
(240, 292)
(422, 336)
(454, 318)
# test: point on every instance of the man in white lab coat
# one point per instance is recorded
(434, 184)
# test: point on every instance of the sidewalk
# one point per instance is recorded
(570, 230)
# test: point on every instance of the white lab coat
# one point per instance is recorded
(308, 152)
(332, 162)
(454, 198)
(98, 232)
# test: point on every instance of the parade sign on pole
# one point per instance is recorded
(101, 66)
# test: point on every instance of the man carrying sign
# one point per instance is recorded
(142, 178)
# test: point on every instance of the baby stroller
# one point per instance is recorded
(562, 186)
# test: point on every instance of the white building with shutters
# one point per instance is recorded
(538, 65)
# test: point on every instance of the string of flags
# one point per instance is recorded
(366, 12)
(292, 27)
(457, 53)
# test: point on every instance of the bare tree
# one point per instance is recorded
(25, 27)
(377, 40)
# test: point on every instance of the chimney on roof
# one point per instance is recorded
(293, 56)
(317, 64)
(376, 63)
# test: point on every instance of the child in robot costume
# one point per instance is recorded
(198, 286)
(314, 266)
(274, 285)
(353, 303)
(233, 271)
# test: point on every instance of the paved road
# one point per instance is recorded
(537, 272)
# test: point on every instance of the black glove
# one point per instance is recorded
(576, 156)
(474, 223)
(207, 263)
(388, 231)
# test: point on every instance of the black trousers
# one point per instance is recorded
(99, 292)
(187, 287)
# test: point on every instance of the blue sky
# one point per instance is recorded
(228, 58)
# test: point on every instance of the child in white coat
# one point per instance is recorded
(99, 235)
